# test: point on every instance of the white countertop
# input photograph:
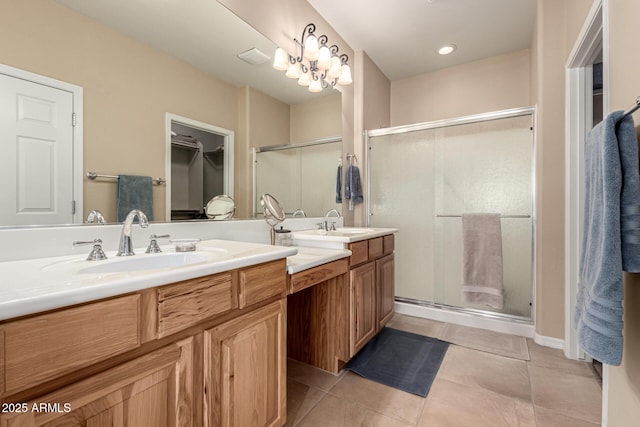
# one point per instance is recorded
(36, 285)
(40, 284)
(338, 237)
(312, 257)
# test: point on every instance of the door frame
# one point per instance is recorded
(593, 36)
(228, 136)
(77, 129)
(579, 113)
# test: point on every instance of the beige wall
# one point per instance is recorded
(316, 119)
(128, 88)
(376, 96)
(490, 84)
(550, 169)
(624, 62)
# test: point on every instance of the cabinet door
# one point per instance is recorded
(245, 369)
(385, 276)
(363, 306)
(154, 390)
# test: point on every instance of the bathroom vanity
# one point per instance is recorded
(194, 339)
(209, 350)
(334, 309)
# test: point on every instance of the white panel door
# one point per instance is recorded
(36, 146)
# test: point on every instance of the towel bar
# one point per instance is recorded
(93, 175)
(501, 216)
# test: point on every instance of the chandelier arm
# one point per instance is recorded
(344, 58)
(323, 40)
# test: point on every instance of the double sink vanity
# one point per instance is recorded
(186, 338)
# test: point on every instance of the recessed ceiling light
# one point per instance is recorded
(447, 49)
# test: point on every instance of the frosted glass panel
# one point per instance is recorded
(402, 194)
(423, 181)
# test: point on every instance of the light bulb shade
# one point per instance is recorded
(345, 77)
(281, 59)
(293, 71)
(315, 86)
(335, 69)
(311, 48)
(305, 79)
(324, 58)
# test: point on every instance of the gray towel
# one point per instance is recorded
(610, 235)
(339, 185)
(353, 187)
(134, 192)
(482, 259)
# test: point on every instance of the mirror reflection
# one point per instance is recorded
(303, 175)
(220, 208)
(132, 72)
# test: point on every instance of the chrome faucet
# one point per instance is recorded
(95, 216)
(125, 248)
(299, 212)
(326, 220)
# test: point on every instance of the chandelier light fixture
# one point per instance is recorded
(319, 66)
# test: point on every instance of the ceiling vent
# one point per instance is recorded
(254, 56)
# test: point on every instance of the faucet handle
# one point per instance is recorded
(320, 226)
(154, 248)
(333, 226)
(96, 254)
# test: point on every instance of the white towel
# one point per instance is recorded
(482, 259)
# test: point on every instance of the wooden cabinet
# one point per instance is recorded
(152, 390)
(207, 351)
(385, 289)
(372, 289)
(363, 320)
(245, 369)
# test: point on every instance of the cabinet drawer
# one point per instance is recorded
(315, 275)
(388, 244)
(375, 248)
(187, 303)
(262, 282)
(360, 252)
(41, 348)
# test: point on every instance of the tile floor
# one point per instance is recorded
(473, 388)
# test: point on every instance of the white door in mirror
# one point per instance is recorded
(36, 141)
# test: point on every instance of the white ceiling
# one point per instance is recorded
(403, 36)
(400, 36)
(201, 32)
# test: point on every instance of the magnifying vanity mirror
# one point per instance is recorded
(220, 208)
(273, 213)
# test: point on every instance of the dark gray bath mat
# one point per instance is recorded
(401, 360)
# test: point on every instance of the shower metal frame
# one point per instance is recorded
(456, 121)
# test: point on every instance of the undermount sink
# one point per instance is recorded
(334, 238)
(156, 261)
(140, 262)
(350, 231)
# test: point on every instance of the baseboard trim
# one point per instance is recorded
(556, 343)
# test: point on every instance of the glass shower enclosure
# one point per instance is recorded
(423, 178)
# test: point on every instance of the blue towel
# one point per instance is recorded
(339, 185)
(134, 192)
(610, 235)
(353, 187)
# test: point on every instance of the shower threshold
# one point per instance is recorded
(497, 322)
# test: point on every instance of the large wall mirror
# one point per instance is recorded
(137, 63)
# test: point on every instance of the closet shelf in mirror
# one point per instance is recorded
(93, 175)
